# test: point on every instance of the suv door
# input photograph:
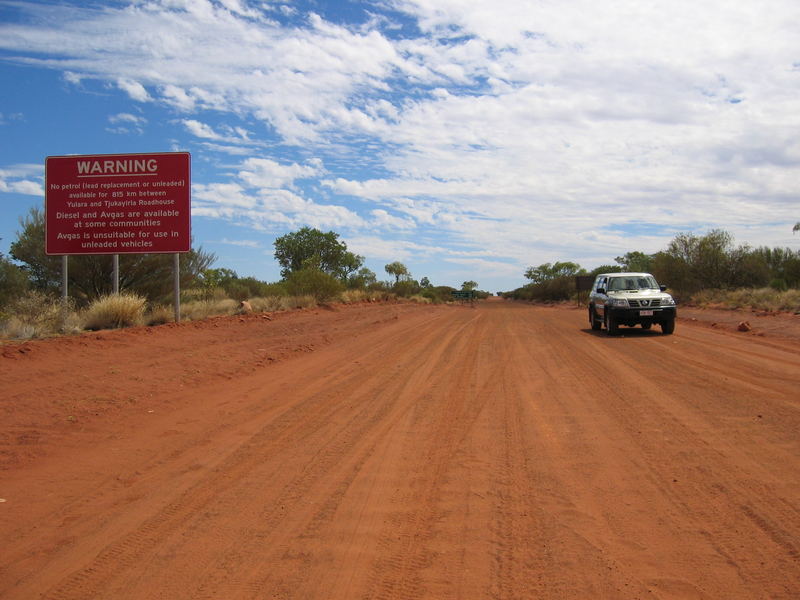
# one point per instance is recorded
(599, 299)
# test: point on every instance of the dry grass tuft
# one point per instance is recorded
(202, 309)
(115, 311)
(159, 315)
(271, 303)
(37, 315)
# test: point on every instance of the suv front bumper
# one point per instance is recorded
(637, 316)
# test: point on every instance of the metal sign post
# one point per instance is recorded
(176, 286)
(115, 274)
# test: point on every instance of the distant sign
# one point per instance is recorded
(462, 294)
(118, 203)
(583, 283)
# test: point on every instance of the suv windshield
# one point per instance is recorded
(643, 282)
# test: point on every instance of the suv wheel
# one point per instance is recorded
(667, 327)
(611, 323)
(596, 323)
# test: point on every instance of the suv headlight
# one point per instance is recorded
(668, 301)
(618, 302)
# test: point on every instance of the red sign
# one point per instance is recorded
(118, 203)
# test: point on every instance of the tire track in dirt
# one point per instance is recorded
(316, 407)
(683, 455)
(501, 452)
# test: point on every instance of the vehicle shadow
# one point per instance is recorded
(625, 332)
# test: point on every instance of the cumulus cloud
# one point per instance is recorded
(263, 195)
(26, 179)
(125, 123)
(241, 243)
(522, 133)
(134, 89)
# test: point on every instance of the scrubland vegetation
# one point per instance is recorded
(317, 268)
(706, 270)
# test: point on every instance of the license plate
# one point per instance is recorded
(645, 313)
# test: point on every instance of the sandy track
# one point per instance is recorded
(396, 452)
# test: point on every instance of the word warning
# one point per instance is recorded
(118, 203)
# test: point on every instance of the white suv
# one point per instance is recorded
(630, 299)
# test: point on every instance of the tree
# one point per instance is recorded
(306, 246)
(311, 281)
(425, 283)
(469, 286)
(636, 262)
(362, 279)
(549, 271)
(605, 269)
(217, 278)
(691, 263)
(782, 264)
(796, 227)
(399, 270)
(13, 281)
(90, 275)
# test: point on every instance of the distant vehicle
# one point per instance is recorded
(630, 299)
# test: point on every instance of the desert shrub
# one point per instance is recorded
(307, 301)
(250, 287)
(269, 303)
(438, 294)
(353, 296)
(36, 314)
(114, 311)
(406, 288)
(549, 290)
(311, 281)
(202, 309)
(419, 299)
(750, 298)
(159, 314)
(13, 282)
(237, 291)
(278, 303)
(779, 285)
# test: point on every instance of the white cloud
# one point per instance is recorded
(126, 123)
(201, 130)
(241, 243)
(26, 179)
(384, 220)
(267, 173)
(263, 197)
(127, 118)
(523, 133)
(134, 89)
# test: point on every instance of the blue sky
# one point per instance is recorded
(468, 140)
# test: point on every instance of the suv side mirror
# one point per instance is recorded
(601, 290)
(663, 288)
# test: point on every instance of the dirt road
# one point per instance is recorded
(401, 452)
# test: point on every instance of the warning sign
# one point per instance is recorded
(118, 203)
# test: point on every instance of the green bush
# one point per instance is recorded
(549, 290)
(13, 282)
(311, 281)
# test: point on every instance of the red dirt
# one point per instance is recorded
(402, 451)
